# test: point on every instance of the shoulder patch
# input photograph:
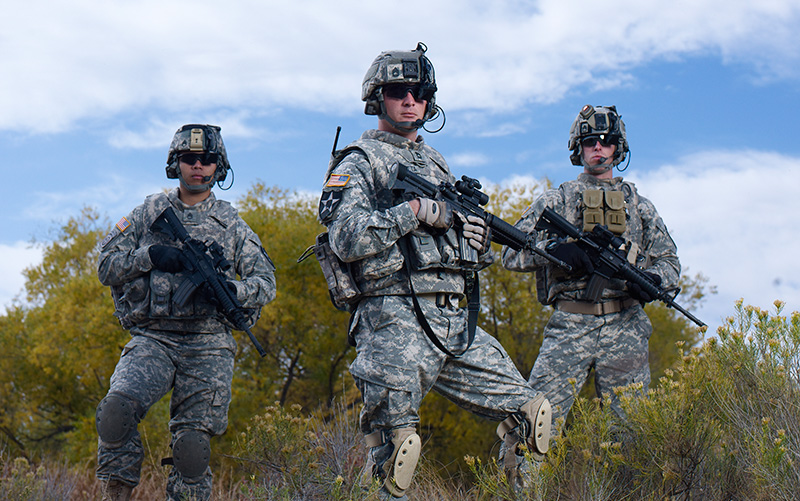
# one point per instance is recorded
(118, 229)
(328, 203)
(123, 224)
(337, 180)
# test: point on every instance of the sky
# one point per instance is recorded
(91, 93)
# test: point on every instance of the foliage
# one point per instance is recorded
(59, 354)
(721, 424)
(295, 457)
(304, 336)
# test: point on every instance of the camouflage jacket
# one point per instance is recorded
(644, 231)
(143, 295)
(366, 220)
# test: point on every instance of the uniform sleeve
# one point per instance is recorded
(349, 208)
(121, 258)
(659, 248)
(256, 286)
(526, 260)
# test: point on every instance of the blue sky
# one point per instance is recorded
(92, 92)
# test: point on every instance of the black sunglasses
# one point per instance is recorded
(589, 142)
(204, 158)
(399, 91)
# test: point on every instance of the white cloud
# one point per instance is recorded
(733, 216)
(13, 260)
(81, 59)
(468, 159)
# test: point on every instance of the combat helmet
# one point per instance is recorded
(602, 122)
(198, 138)
(404, 67)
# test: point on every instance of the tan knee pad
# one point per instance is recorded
(398, 471)
(532, 423)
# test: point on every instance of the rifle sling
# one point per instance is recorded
(473, 304)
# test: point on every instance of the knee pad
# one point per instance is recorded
(531, 424)
(191, 453)
(116, 419)
(397, 470)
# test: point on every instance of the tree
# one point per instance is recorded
(304, 335)
(56, 361)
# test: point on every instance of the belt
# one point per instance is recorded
(442, 299)
(597, 309)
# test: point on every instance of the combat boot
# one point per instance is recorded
(114, 490)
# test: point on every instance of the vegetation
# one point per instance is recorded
(720, 422)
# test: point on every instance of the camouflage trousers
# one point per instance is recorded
(397, 365)
(198, 368)
(615, 345)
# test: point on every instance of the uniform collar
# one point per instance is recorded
(589, 179)
(394, 139)
(178, 204)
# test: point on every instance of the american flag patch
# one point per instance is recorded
(123, 224)
(337, 180)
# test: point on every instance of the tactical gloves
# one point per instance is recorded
(637, 292)
(574, 256)
(434, 213)
(166, 258)
(476, 232)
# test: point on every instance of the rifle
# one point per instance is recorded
(203, 262)
(604, 249)
(465, 197)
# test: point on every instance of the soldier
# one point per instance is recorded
(612, 335)
(414, 261)
(187, 349)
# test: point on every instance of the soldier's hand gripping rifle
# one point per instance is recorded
(206, 265)
(604, 249)
(466, 198)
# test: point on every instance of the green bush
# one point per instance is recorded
(723, 424)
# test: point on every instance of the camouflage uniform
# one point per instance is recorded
(396, 363)
(188, 350)
(615, 344)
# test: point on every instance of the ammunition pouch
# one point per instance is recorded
(342, 287)
(604, 208)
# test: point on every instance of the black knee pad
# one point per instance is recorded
(191, 453)
(116, 419)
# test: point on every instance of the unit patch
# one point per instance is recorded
(328, 203)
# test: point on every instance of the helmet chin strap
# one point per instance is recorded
(208, 182)
(403, 126)
(599, 168)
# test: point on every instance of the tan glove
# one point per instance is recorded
(476, 232)
(434, 213)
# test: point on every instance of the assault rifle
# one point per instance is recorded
(465, 197)
(604, 249)
(206, 264)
